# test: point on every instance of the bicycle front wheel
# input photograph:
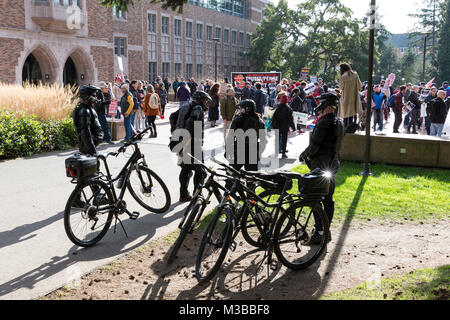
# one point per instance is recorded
(191, 215)
(88, 214)
(293, 232)
(149, 190)
(214, 246)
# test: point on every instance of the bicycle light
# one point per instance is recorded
(328, 174)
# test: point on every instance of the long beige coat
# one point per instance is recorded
(350, 86)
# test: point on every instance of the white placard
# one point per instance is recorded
(301, 118)
(119, 60)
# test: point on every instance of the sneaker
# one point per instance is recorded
(284, 156)
(316, 238)
(110, 142)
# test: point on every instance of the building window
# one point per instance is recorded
(233, 37)
(165, 70)
(152, 47)
(199, 71)
(241, 39)
(177, 49)
(209, 52)
(209, 33)
(165, 25)
(189, 70)
(177, 70)
(189, 29)
(199, 31)
(152, 71)
(249, 41)
(226, 36)
(120, 47)
(177, 28)
(151, 19)
(199, 52)
(189, 50)
(226, 54)
(65, 3)
(234, 55)
(218, 33)
(236, 8)
(165, 48)
(119, 14)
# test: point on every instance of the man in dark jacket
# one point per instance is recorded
(104, 97)
(323, 152)
(415, 111)
(260, 99)
(398, 108)
(193, 113)
(247, 92)
(438, 114)
(281, 120)
(250, 123)
(89, 130)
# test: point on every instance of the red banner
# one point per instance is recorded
(112, 108)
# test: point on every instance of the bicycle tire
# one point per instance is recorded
(167, 203)
(226, 241)
(185, 229)
(75, 195)
(288, 216)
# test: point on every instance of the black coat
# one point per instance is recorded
(89, 130)
(438, 111)
(282, 118)
(105, 100)
(296, 103)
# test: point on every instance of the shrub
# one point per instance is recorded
(23, 135)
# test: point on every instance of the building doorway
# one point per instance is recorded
(70, 75)
(31, 72)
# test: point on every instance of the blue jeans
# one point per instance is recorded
(128, 129)
(105, 127)
(407, 120)
(436, 129)
(378, 116)
(310, 110)
(132, 117)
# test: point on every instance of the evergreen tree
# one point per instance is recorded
(444, 45)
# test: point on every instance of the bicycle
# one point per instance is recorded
(96, 203)
(198, 204)
(275, 229)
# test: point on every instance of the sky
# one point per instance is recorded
(394, 13)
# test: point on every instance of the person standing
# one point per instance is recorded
(152, 109)
(378, 115)
(175, 86)
(247, 92)
(282, 120)
(102, 107)
(228, 110)
(213, 108)
(398, 108)
(251, 124)
(415, 111)
(163, 97)
(260, 99)
(184, 94)
(350, 102)
(429, 100)
(323, 152)
(139, 121)
(438, 114)
(126, 106)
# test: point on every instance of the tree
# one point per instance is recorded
(444, 45)
(124, 4)
(408, 70)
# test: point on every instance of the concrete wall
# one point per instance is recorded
(431, 152)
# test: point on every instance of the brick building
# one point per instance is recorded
(79, 41)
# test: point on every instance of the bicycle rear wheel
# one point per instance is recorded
(293, 233)
(191, 215)
(149, 190)
(86, 216)
(214, 246)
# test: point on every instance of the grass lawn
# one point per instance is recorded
(425, 284)
(393, 193)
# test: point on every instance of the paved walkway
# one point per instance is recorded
(36, 255)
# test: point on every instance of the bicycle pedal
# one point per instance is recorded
(134, 215)
(233, 246)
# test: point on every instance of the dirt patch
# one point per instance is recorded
(359, 253)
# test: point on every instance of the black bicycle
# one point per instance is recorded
(199, 202)
(94, 203)
(286, 230)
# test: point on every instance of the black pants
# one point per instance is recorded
(283, 141)
(415, 113)
(163, 109)
(151, 123)
(398, 120)
(187, 171)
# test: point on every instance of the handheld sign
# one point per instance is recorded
(112, 108)
(302, 118)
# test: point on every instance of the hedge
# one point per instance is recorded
(23, 135)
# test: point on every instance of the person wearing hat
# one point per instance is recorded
(102, 108)
(323, 152)
(281, 120)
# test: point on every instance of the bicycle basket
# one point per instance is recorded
(79, 166)
(315, 183)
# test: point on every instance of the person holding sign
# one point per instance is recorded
(104, 98)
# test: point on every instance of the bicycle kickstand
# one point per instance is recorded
(115, 225)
